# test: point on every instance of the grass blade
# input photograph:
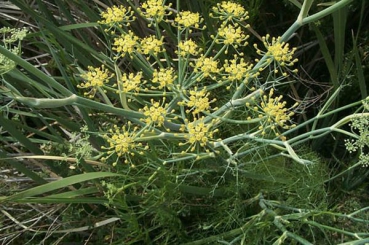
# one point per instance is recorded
(339, 27)
(327, 57)
(58, 185)
(359, 70)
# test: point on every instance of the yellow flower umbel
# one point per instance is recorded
(131, 82)
(151, 45)
(232, 35)
(199, 101)
(95, 78)
(229, 11)
(187, 20)
(188, 47)
(117, 15)
(273, 113)
(206, 66)
(155, 114)
(126, 43)
(122, 141)
(199, 133)
(154, 10)
(164, 77)
(237, 70)
(279, 52)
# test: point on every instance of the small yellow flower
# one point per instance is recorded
(117, 15)
(278, 51)
(154, 114)
(273, 112)
(199, 133)
(126, 43)
(122, 141)
(187, 19)
(94, 78)
(151, 45)
(237, 69)
(207, 66)
(188, 47)
(232, 35)
(165, 77)
(230, 11)
(154, 10)
(199, 101)
(131, 82)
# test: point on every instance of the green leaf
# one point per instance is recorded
(75, 193)
(86, 200)
(327, 57)
(359, 70)
(339, 28)
(39, 190)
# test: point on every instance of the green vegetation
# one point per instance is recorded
(184, 122)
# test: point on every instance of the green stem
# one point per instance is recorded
(325, 227)
(325, 12)
(76, 100)
(321, 116)
(165, 53)
(122, 94)
(105, 97)
(249, 137)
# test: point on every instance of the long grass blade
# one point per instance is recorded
(39, 190)
(327, 57)
(359, 70)
(339, 28)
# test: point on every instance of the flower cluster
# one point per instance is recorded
(207, 66)
(186, 71)
(164, 77)
(199, 133)
(273, 113)
(151, 45)
(126, 43)
(117, 15)
(11, 39)
(154, 10)
(278, 51)
(361, 143)
(187, 20)
(232, 35)
(229, 11)
(95, 78)
(123, 142)
(131, 82)
(155, 114)
(188, 47)
(199, 101)
(237, 70)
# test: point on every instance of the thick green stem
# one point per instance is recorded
(335, 7)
